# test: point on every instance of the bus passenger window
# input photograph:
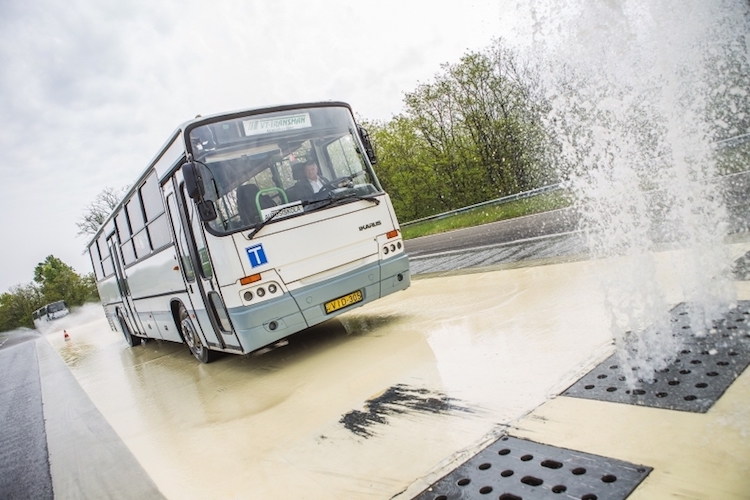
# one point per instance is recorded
(128, 254)
(158, 232)
(142, 247)
(152, 198)
(123, 228)
(135, 214)
(96, 261)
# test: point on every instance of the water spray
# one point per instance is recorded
(630, 86)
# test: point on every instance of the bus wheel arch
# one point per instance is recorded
(131, 339)
(190, 335)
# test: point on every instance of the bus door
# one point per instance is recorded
(128, 308)
(187, 221)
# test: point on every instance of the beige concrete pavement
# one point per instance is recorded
(455, 361)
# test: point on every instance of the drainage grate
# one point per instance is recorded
(516, 469)
(703, 369)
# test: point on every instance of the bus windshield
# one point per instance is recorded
(282, 164)
(56, 306)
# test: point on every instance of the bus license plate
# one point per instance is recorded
(344, 301)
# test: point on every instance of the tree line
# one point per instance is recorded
(53, 280)
(485, 127)
(475, 133)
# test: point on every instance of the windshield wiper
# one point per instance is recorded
(333, 201)
(326, 202)
(262, 224)
(358, 196)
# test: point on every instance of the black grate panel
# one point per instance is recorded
(702, 371)
(512, 469)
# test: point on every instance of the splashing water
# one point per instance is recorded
(79, 316)
(631, 85)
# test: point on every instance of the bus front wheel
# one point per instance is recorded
(131, 339)
(192, 338)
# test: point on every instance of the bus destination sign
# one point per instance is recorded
(276, 124)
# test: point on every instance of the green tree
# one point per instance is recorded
(53, 280)
(58, 281)
(474, 133)
(17, 304)
(405, 168)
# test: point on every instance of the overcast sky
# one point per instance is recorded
(90, 89)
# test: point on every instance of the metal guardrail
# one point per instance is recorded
(732, 141)
(498, 201)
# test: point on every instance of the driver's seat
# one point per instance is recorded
(246, 206)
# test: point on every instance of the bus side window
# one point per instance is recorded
(185, 262)
(108, 267)
(96, 260)
(200, 242)
(343, 156)
(156, 218)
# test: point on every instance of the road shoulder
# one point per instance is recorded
(87, 458)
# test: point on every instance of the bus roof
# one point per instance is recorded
(264, 109)
(200, 120)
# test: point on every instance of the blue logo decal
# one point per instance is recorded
(256, 255)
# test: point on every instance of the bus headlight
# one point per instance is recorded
(262, 292)
(392, 247)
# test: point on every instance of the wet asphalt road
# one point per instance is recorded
(54, 443)
(532, 239)
(506, 231)
(28, 447)
(23, 440)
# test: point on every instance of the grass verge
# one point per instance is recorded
(484, 215)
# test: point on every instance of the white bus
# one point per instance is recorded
(249, 227)
(49, 312)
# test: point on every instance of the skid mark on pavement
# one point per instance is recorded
(396, 400)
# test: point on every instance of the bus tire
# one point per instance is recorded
(131, 339)
(192, 338)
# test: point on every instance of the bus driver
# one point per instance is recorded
(311, 183)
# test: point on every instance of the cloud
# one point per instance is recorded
(92, 88)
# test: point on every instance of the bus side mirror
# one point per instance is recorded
(193, 181)
(369, 149)
(196, 190)
(207, 210)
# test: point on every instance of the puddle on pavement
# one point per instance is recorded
(74, 351)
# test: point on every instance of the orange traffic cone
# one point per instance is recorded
(67, 337)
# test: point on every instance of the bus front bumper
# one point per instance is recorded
(269, 322)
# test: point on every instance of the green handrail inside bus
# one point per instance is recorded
(269, 190)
